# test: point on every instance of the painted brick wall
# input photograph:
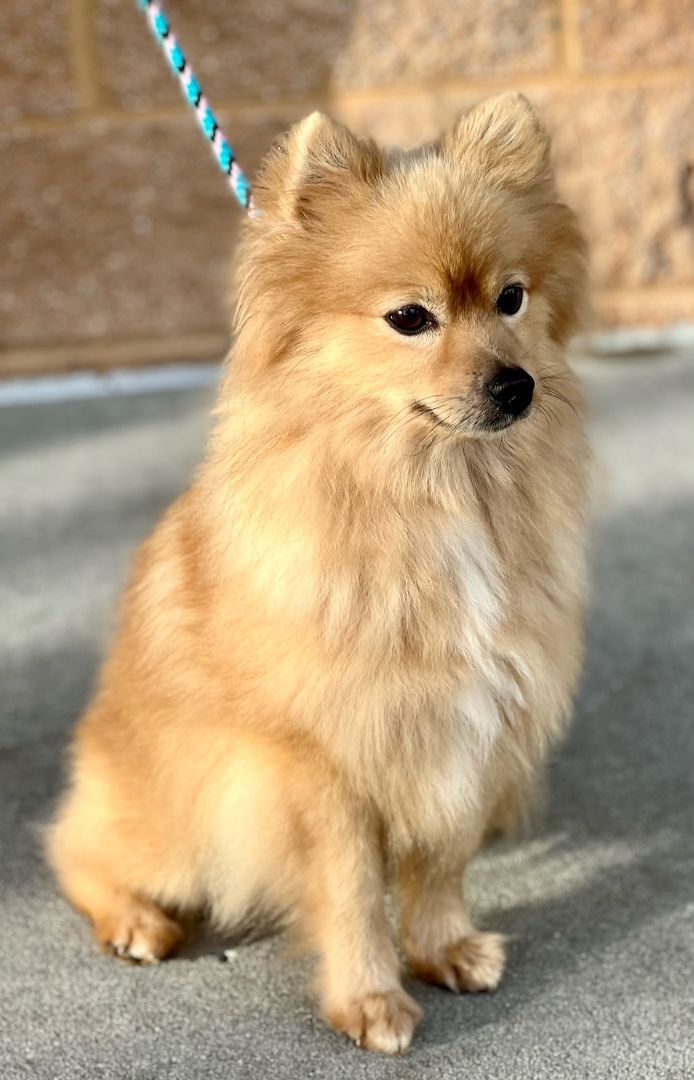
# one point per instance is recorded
(116, 228)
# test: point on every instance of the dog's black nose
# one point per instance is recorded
(511, 389)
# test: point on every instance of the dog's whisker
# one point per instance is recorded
(557, 394)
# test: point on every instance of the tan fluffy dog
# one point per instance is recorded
(347, 648)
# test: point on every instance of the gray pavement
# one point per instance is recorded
(599, 904)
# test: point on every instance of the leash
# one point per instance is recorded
(161, 28)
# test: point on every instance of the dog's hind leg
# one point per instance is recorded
(127, 924)
(104, 866)
(130, 926)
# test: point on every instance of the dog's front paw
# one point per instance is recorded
(381, 1021)
(474, 963)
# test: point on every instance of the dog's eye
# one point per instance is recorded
(510, 300)
(412, 319)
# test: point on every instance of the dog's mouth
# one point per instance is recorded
(486, 420)
(424, 410)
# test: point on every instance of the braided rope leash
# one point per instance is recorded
(161, 28)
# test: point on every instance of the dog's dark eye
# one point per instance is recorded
(510, 300)
(411, 319)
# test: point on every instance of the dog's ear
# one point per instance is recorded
(506, 136)
(315, 162)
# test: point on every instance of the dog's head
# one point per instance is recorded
(422, 296)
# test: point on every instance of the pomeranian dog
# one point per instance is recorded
(346, 649)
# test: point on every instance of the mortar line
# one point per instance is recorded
(83, 55)
(290, 107)
(571, 35)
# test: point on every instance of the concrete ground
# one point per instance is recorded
(599, 905)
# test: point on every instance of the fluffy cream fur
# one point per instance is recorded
(345, 651)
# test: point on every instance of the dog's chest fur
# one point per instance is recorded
(462, 666)
(442, 641)
(473, 690)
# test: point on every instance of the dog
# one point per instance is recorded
(346, 650)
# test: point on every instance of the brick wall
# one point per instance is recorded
(116, 227)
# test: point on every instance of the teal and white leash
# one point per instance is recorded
(161, 29)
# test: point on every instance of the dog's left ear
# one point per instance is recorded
(506, 136)
(317, 161)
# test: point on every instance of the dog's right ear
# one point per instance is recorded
(317, 162)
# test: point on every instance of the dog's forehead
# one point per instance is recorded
(443, 225)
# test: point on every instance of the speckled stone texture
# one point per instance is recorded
(623, 34)
(35, 69)
(415, 41)
(112, 235)
(625, 160)
(264, 49)
(255, 50)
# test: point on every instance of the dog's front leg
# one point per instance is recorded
(441, 944)
(344, 913)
